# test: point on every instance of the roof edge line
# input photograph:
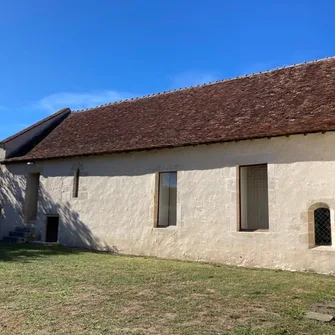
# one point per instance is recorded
(14, 161)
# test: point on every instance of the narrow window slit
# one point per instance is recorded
(76, 183)
(167, 199)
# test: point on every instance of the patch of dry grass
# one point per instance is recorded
(55, 290)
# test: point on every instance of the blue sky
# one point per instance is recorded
(80, 53)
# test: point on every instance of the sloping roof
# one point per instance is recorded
(10, 138)
(292, 100)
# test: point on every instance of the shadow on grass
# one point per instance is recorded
(26, 252)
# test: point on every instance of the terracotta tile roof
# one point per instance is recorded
(291, 100)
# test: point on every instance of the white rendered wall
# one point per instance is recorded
(116, 203)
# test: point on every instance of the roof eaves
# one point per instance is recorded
(24, 159)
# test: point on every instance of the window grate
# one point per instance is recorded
(254, 197)
(322, 226)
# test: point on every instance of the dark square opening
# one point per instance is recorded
(52, 229)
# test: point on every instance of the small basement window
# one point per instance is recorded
(254, 207)
(167, 199)
(52, 226)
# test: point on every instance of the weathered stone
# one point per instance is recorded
(319, 316)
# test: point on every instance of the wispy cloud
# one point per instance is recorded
(191, 78)
(54, 102)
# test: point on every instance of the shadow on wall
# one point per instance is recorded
(12, 194)
(72, 231)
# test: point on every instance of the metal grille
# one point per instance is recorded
(322, 226)
(254, 197)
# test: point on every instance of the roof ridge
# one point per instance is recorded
(205, 84)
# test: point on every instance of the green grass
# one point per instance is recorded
(55, 290)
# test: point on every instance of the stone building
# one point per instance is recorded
(239, 171)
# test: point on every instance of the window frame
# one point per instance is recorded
(240, 229)
(157, 199)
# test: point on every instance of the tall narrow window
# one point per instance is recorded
(76, 183)
(254, 208)
(322, 226)
(31, 200)
(167, 199)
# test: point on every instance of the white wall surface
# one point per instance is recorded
(115, 206)
(12, 194)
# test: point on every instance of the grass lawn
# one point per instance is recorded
(55, 290)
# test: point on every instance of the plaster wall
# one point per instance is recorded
(12, 195)
(2, 154)
(115, 208)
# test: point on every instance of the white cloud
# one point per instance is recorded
(192, 78)
(54, 102)
(82, 100)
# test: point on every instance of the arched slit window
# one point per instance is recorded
(322, 227)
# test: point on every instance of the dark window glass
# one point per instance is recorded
(167, 199)
(322, 227)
